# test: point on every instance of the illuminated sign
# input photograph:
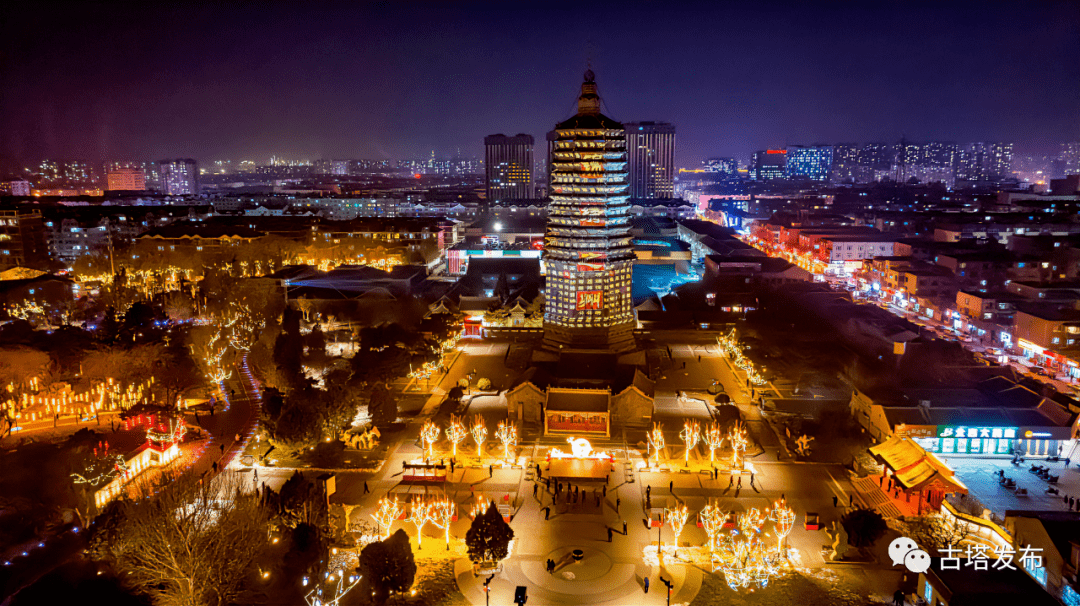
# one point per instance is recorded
(1024, 343)
(593, 223)
(776, 151)
(977, 432)
(590, 299)
(917, 431)
(592, 255)
(590, 267)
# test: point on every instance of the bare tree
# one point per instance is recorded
(935, 531)
(186, 542)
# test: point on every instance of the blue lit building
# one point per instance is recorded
(812, 162)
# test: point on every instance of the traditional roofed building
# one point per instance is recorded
(587, 248)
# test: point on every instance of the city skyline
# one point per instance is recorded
(380, 84)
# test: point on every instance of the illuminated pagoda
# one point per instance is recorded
(587, 250)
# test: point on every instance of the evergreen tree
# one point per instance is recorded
(489, 536)
(388, 566)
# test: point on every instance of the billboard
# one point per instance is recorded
(590, 299)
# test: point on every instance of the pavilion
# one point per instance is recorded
(917, 471)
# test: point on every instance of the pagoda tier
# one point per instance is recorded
(587, 251)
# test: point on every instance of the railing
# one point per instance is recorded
(985, 530)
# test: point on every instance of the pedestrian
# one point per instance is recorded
(1071, 500)
(646, 584)
(851, 500)
(597, 499)
(539, 474)
(256, 473)
(739, 484)
(834, 501)
(699, 358)
(451, 466)
(222, 446)
(898, 598)
(648, 502)
(547, 513)
(549, 566)
(609, 534)
(730, 481)
(881, 481)
(366, 489)
(232, 392)
(648, 491)
(491, 470)
(605, 491)
(1066, 462)
(215, 466)
(535, 488)
(624, 527)
(671, 486)
(618, 502)
(751, 478)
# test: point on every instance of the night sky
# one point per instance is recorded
(309, 80)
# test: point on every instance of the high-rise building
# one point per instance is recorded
(65, 172)
(509, 166)
(179, 177)
(769, 165)
(22, 240)
(126, 179)
(650, 155)
(925, 162)
(551, 137)
(984, 162)
(1070, 158)
(845, 163)
(587, 249)
(809, 162)
(724, 166)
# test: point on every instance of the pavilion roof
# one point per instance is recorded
(914, 467)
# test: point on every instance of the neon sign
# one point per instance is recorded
(590, 299)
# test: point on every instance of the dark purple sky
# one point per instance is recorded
(305, 80)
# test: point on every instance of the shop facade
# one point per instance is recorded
(990, 441)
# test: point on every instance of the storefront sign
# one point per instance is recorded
(1045, 433)
(1024, 343)
(977, 432)
(917, 431)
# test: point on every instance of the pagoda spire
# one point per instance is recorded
(588, 104)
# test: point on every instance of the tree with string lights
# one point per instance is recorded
(421, 512)
(388, 511)
(455, 432)
(739, 442)
(656, 440)
(713, 439)
(507, 434)
(690, 435)
(428, 435)
(712, 521)
(445, 510)
(479, 434)
(676, 518)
